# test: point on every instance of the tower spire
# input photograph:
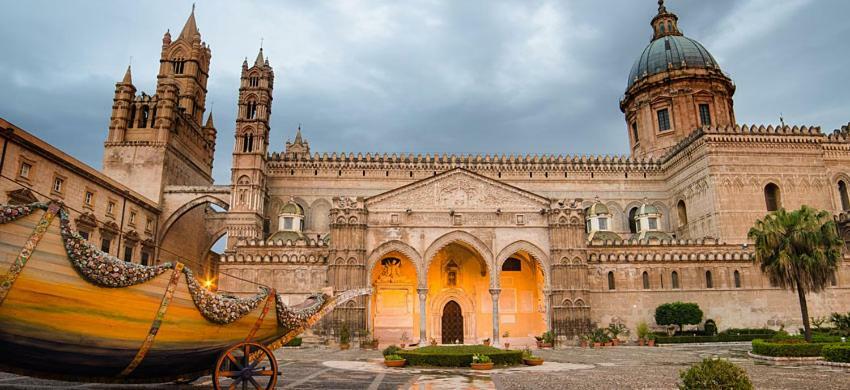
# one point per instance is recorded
(259, 60)
(128, 77)
(190, 28)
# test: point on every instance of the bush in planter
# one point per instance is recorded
(678, 313)
(391, 350)
(787, 348)
(642, 330)
(479, 358)
(548, 338)
(295, 342)
(836, 353)
(393, 357)
(715, 374)
(459, 356)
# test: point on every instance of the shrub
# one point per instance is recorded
(678, 313)
(459, 356)
(548, 337)
(296, 342)
(841, 322)
(344, 335)
(393, 357)
(479, 358)
(787, 348)
(391, 350)
(746, 331)
(710, 328)
(836, 353)
(526, 354)
(642, 330)
(714, 374)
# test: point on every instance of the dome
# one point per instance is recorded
(648, 209)
(671, 52)
(292, 208)
(597, 208)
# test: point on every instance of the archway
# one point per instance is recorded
(452, 323)
(188, 234)
(522, 303)
(394, 309)
(457, 273)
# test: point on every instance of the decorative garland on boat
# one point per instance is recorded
(218, 308)
(100, 268)
(292, 319)
(12, 212)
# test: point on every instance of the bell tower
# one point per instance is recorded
(159, 140)
(248, 175)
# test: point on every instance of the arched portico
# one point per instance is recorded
(393, 275)
(192, 215)
(522, 304)
(459, 237)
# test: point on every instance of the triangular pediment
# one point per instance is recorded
(459, 190)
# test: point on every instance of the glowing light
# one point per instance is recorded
(208, 284)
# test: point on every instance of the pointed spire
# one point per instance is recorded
(661, 8)
(190, 28)
(209, 121)
(298, 139)
(128, 77)
(259, 60)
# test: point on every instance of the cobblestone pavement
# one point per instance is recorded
(570, 368)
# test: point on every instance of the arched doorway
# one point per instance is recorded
(452, 329)
(458, 273)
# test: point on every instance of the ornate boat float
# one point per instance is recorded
(71, 312)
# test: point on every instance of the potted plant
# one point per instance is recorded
(486, 342)
(367, 342)
(404, 339)
(539, 340)
(394, 361)
(642, 332)
(548, 339)
(433, 341)
(344, 337)
(615, 330)
(481, 362)
(650, 339)
(505, 337)
(529, 359)
(584, 340)
(599, 337)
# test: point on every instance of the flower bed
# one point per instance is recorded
(837, 353)
(459, 356)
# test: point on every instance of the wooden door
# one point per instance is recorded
(452, 330)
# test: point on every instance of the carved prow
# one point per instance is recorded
(327, 307)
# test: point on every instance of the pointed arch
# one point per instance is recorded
(463, 238)
(396, 246)
(532, 250)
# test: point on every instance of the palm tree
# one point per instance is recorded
(798, 250)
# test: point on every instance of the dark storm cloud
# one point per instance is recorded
(429, 76)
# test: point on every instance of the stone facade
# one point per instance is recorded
(463, 248)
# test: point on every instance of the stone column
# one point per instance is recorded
(494, 293)
(423, 294)
(547, 306)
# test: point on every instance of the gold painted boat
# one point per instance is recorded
(68, 311)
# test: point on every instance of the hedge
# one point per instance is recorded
(746, 331)
(836, 353)
(460, 356)
(709, 339)
(788, 349)
(296, 342)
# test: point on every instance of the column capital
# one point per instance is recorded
(495, 291)
(422, 290)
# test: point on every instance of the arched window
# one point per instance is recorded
(682, 211)
(611, 285)
(633, 225)
(674, 279)
(708, 282)
(842, 192)
(247, 143)
(132, 122)
(772, 197)
(254, 81)
(512, 264)
(251, 112)
(144, 116)
(662, 28)
(737, 276)
(645, 277)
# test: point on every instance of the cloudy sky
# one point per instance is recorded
(419, 76)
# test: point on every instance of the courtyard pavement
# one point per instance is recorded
(569, 368)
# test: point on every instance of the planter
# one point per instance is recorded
(650, 343)
(482, 366)
(486, 343)
(532, 362)
(597, 344)
(507, 345)
(640, 342)
(583, 344)
(344, 346)
(395, 363)
(615, 342)
(609, 344)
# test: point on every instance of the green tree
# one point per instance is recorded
(798, 250)
(678, 313)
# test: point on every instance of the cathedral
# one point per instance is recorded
(465, 248)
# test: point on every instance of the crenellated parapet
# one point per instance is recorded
(275, 254)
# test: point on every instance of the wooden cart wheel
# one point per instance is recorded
(245, 366)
